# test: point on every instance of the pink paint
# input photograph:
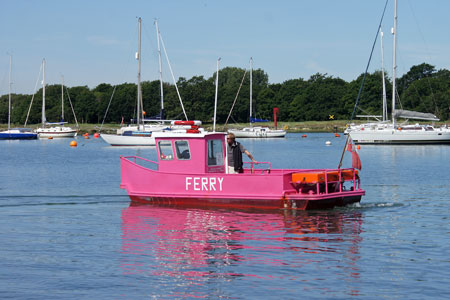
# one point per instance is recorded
(182, 239)
(191, 170)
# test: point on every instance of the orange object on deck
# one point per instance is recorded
(308, 177)
(314, 177)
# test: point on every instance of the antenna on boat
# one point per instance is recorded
(215, 100)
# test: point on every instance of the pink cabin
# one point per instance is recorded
(192, 171)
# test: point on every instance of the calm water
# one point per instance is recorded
(68, 231)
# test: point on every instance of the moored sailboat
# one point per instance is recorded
(141, 133)
(393, 132)
(256, 131)
(15, 133)
(56, 129)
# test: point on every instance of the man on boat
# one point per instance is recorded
(235, 150)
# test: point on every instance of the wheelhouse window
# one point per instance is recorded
(182, 149)
(215, 153)
(165, 150)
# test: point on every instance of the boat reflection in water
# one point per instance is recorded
(189, 246)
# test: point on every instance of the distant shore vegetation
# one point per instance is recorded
(321, 98)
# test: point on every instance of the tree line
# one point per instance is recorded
(422, 88)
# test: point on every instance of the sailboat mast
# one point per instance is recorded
(44, 120)
(160, 70)
(62, 99)
(251, 89)
(139, 95)
(9, 101)
(384, 82)
(394, 62)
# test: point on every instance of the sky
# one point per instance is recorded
(90, 42)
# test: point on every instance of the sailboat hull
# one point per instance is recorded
(56, 132)
(17, 135)
(258, 132)
(405, 137)
(128, 140)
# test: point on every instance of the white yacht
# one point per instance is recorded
(394, 132)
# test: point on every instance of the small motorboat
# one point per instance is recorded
(192, 170)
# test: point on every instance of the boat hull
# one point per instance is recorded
(262, 189)
(270, 204)
(394, 136)
(256, 133)
(128, 140)
(17, 136)
(56, 132)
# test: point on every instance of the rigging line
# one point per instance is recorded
(173, 77)
(153, 49)
(107, 108)
(428, 53)
(362, 84)
(32, 98)
(368, 64)
(73, 111)
(364, 111)
(234, 102)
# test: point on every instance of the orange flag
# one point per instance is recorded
(356, 162)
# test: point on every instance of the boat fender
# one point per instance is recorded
(186, 122)
(192, 131)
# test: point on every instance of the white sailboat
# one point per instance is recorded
(15, 133)
(385, 132)
(135, 135)
(52, 130)
(256, 131)
(141, 134)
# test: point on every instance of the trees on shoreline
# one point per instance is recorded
(423, 89)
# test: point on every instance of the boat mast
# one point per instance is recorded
(251, 85)
(44, 120)
(215, 100)
(160, 71)
(394, 61)
(9, 105)
(62, 99)
(382, 75)
(139, 94)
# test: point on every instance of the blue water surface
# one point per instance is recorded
(69, 232)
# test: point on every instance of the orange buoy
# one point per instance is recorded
(86, 134)
(50, 138)
(337, 135)
(73, 144)
(358, 147)
(303, 136)
(96, 135)
(86, 137)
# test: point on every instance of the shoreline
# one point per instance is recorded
(291, 127)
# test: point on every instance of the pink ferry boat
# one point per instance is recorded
(192, 171)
